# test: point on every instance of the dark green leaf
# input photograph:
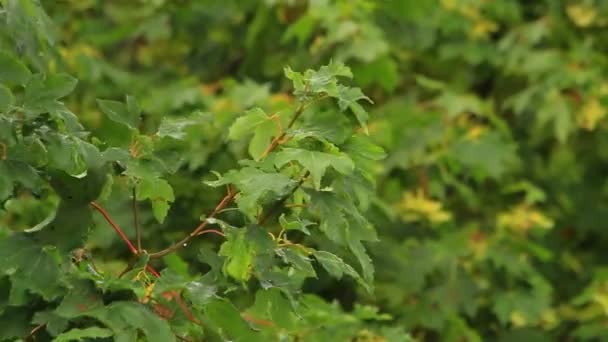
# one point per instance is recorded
(12, 71)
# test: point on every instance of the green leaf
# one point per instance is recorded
(316, 162)
(360, 147)
(42, 93)
(12, 71)
(383, 71)
(318, 82)
(347, 99)
(7, 100)
(244, 125)
(258, 123)
(14, 323)
(126, 114)
(239, 253)
(244, 247)
(488, 156)
(344, 224)
(14, 172)
(69, 227)
(337, 268)
(79, 190)
(300, 225)
(83, 334)
(120, 315)
(31, 30)
(54, 324)
(253, 185)
(228, 321)
(176, 127)
(159, 192)
(271, 304)
(30, 267)
(299, 260)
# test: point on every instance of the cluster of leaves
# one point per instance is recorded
(489, 196)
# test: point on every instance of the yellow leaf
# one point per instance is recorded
(522, 218)
(416, 206)
(582, 15)
(518, 319)
(475, 132)
(590, 114)
(448, 4)
(482, 28)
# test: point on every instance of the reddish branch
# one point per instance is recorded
(172, 294)
(120, 232)
(211, 231)
(200, 229)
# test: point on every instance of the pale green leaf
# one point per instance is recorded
(175, 127)
(160, 194)
(85, 334)
(244, 125)
(239, 255)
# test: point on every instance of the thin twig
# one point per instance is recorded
(174, 294)
(123, 236)
(30, 336)
(200, 228)
(136, 221)
(211, 231)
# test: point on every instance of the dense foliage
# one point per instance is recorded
(321, 170)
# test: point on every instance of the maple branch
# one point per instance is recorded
(174, 294)
(122, 235)
(200, 229)
(119, 230)
(136, 221)
(231, 194)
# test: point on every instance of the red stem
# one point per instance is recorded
(212, 231)
(123, 236)
(119, 230)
